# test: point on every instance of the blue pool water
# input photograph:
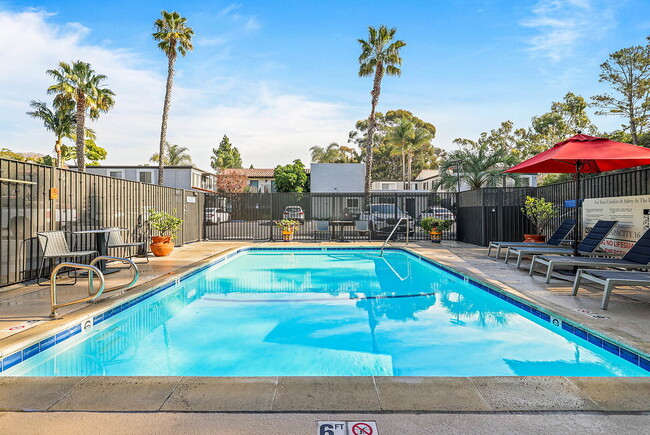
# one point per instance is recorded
(321, 313)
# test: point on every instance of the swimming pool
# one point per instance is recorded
(325, 312)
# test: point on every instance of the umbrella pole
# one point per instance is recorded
(577, 229)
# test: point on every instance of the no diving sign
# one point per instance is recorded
(347, 428)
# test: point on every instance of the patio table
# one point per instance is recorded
(341, 224)
(101, 243)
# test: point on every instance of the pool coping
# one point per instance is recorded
(495, 394)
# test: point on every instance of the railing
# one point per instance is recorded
(92, 269)
(381, 252)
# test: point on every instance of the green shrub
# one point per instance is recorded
(540, 212)
(429, 223)
(165, 223)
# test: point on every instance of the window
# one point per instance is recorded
(254, 183)
(426, 186)
(116, 174)
(145, 177)
(387, 186)
(352, 202)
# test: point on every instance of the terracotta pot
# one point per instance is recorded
(287, 236)
(534, 238)
(436, 235)
(161, 246)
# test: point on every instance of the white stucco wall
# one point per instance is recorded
(337, 177)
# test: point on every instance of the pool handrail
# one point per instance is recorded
(381, 252)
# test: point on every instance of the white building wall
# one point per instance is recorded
(337, 177)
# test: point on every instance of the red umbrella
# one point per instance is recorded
(582, 154)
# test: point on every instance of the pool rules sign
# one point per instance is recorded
(346, 428)
(631, 212)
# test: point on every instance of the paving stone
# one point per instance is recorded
(617, 394)
(326, 394)
(222, 394)
(532, 393)
(117, 393)
(429, 394)
(34, 393)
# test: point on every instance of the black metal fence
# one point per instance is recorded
(325, 216)
(85, 201)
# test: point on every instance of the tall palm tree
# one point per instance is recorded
(333, 153)
(400, 135)
(173, 155)
(379, 55)
(421, 138)
(173, 37)
(61, 122)
(477, 167)
(78, 85)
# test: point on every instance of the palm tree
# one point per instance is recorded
(61, 122)
(421, 138)
(477, 167)
(400, 135)
(379, 56)
(173, 37)
(79, 86)
(334, 153)
(173, 155)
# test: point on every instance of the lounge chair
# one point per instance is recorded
(637, 258)
(610, 279)
(556, 238)
(588, 246)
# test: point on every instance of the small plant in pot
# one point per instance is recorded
(288, 226)
(167, 226)
(435, 227)
(540, 212)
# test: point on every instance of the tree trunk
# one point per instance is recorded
(57, 149)
(410, 176)
(403, 169)
(632, 122)
(376, 90)
(163, 128)
(81, 130)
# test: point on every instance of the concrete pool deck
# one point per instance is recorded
(626, 321)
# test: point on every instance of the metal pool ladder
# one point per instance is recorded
(92, 269)
(381, 252)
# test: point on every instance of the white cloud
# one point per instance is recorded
(268, 126)
(562, 25)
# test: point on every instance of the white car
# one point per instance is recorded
(294, 212)
(216, 215)
(438, 213)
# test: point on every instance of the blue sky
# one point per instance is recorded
(281, 76)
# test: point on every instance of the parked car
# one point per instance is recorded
(382, 219)
(436, 212)
(216, 215)
(294, 212)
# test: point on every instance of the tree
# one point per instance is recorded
(61, 122)
(291, 177)
(399, 136)
(566, 118)
(226, 156)
(173, 155)
(173, 37)
(628, 72)
(93, 152)
(334, 153)
(387, 163)
(79, 86)
(477, 167)
(379, 55)
(231, 181)
(417, 144)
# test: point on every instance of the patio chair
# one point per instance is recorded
(54, 245)
(115, 241)
(361, 227)
(637, 258)
(323, 227)
(610, 279)
(556, 238)
(588, 246)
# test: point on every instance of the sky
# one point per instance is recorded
(281, 76)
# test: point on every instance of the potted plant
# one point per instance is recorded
(540, 212)
(288, 226)
(167, 226)
(435, 227)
